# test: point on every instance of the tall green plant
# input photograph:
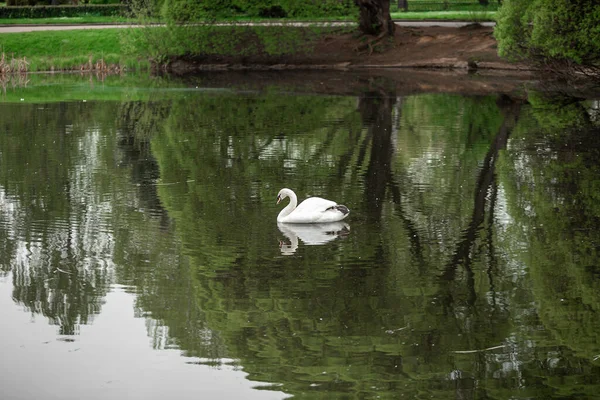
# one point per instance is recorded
(550, 30)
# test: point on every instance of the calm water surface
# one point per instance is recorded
(141, 257)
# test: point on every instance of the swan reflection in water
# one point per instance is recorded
(310, 234)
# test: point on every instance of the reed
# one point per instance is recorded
(14, 65)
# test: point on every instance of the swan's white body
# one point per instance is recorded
(313, 210)
(310, 234)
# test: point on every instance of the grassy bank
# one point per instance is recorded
(133, 48)
(65, 50)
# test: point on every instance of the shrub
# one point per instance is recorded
(181, 11)
(109, 10)
(448, 5)
(104, 1)
(550, 30)
(272, 12)
(188, 10)
(20, 2)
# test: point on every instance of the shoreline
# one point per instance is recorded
(188, 66)
(469, 48)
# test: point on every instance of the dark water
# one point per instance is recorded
(141, 257)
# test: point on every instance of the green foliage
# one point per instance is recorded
(36, 3)
(187, 10)
(178, 11)
(480, 16)
(63, 11)
(541, 30)
(449, 5)
(295, 8)
(444, 15)
(105, 1)
(161, 43)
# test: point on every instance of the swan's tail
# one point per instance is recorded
(341, 208)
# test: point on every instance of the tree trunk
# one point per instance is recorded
(403, 4)
(375, 18)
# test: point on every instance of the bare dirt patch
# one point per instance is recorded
(472, 47)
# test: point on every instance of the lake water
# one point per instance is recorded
(141, 258)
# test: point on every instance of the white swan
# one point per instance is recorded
(310, 211)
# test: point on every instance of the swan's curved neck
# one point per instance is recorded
(290, 207)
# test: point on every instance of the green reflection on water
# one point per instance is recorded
(470, 268)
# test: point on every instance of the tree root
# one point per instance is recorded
(371, 43)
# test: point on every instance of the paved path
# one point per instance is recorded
(32, 28)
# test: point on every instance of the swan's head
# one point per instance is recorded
(283, 193)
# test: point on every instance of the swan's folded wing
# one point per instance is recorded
(314, 210)
(314, 205)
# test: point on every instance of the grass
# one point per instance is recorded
(56, 50)
(62, 43)
(446, 15)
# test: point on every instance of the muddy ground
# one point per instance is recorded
(472, 47)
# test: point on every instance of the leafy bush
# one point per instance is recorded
(21, 2)
(180, 11)
(63, 11)
(58, 2)
(104, 1)
(309, 8)
(550, 30)
(240, 43)
(189, 10)
(449, 5)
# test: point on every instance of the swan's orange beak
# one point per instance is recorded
(278, 199)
